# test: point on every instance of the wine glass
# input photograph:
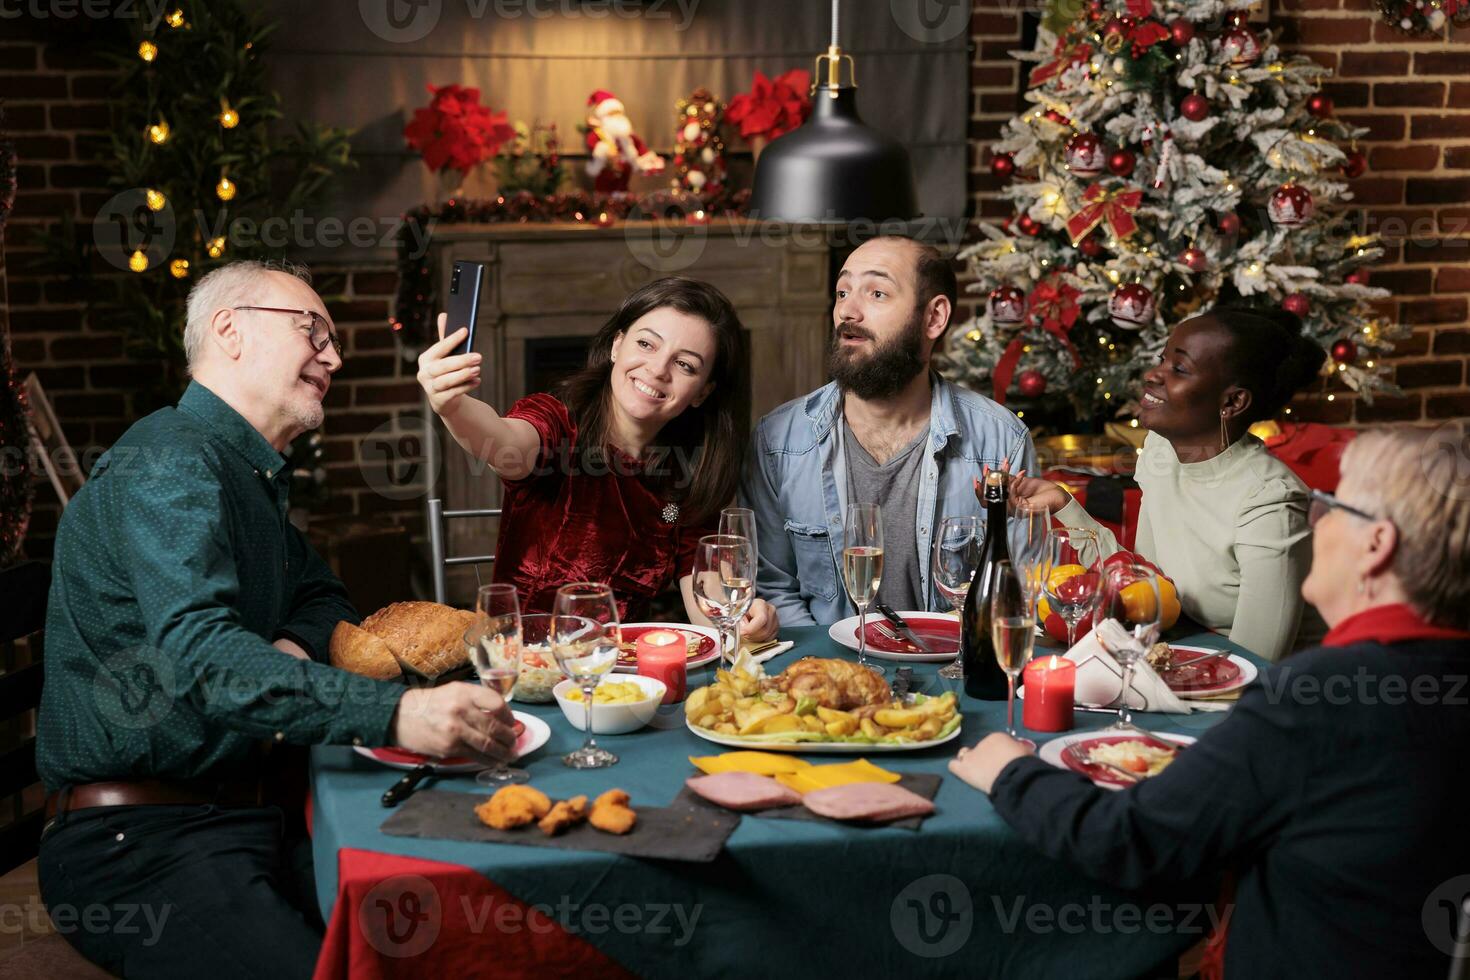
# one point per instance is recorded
(585, 639)
(1130, 597)
(1030, 535)
(1073, 598)
(740, 522)
(724, 584)
(957, 546)
(862, 567)
(1013, 631)
(494, 644)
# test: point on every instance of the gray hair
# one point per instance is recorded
(233, 284)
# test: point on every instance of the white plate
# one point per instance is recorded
(844, 631)
(818, 748)
(1051, 752)
(1247, 674)
(693, 662)
(536, 734)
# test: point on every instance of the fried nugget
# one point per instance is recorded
(611, 813)
(513, 806)
(564, 815)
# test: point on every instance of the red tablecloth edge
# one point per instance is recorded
(408, 917)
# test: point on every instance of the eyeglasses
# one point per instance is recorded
(321, 334)
(1322, 502)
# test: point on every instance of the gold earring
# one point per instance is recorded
(1224, 434)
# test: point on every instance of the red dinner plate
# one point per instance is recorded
(1197, 671)
(940, 633)
(702, 648)
(1074, 756)
(404, 757)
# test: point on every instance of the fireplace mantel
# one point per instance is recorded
(546, 282)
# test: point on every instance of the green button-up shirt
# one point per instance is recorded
(175, 569)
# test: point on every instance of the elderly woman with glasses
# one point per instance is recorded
(1333, 796)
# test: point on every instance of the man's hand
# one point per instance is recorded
(981, 765)
(292, 647)
(760, 622)
(455, 719)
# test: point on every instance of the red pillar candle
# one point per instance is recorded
(1050, 684)
(663, 655)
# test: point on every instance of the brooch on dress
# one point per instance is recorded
(670, 513)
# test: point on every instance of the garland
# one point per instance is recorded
(416, 302)
(16, 491)
(1425, 17)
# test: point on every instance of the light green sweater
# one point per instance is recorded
(1232, 534)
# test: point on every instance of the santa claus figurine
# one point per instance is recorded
(615, 150)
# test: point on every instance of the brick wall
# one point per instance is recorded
(1412, 94)
(1414, 97)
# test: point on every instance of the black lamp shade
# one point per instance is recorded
(834, 170)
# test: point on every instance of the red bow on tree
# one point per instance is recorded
(1052, 306)
(1115, 206)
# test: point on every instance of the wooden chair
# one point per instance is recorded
(25, 586)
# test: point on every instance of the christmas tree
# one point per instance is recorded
(15, 428)
(1171, 158)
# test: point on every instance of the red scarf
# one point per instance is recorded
(1397, 623)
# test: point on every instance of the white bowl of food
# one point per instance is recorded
(619, 705)
(539, 673)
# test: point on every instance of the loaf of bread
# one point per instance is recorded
(423, 637)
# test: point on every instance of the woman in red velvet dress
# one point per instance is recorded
(616, 475)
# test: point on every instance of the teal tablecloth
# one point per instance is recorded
(961, 896)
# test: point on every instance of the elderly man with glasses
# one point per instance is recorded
(187, 632)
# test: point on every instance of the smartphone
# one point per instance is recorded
(463, 308)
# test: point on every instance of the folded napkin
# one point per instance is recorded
(838, 774)
(744, 658)
(1099, 677)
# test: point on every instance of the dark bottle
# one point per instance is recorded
(983, 677)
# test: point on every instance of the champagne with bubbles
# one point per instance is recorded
(984, 678)
(862, 572)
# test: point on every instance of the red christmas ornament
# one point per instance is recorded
(1181, 32)
(1194, 258)
(1358, 277)
(1344, 351)
(1240, 46)
(1085, 155)
(1355, 165)
(1094, 9)
(1320, 105)
(1229, 223)
(1131, 305)
(1007, 306)
(1115, 32)
(1031, 384)
(1296, 304)
(1120, 163)
(1090, 247)
(1058, 118)
(1291, 206)
(1195, 107)
(1002, 166)
(1029, 225)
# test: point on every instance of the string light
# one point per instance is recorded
(973, 335)
(1370, 364)
(175, 19)
(1288, 411)
(225, 189)
(1332, 398)
(179, 268)
(215, 248)
(156, 200)
(1133, 423)
(138, 262)
(148, 51)
(158, 133)
(228, 118)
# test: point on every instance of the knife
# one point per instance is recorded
(902, 628)
(405, 787)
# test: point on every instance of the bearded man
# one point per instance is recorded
(886, 430)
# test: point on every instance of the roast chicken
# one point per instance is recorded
(838, 684)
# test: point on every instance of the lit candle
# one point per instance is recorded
(664, 656)
(1050, 685)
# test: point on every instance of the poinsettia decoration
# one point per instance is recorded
(456, 132)
(773, 106)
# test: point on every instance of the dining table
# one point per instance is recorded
(960, 895)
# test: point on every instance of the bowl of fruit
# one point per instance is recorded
(618, 707)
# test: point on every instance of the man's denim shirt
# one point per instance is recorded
(796, 482)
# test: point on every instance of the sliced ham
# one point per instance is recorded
(872, 802)
(743, 791)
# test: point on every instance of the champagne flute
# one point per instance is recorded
(1013, 631)
(1073, 598)
(1130, 597)
(494, 644)
(740, 522)
(1031, 548)
(585, 638)
(862, 567)
(957, 547)
(724, 585)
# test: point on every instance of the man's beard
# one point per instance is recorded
(885, 371)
